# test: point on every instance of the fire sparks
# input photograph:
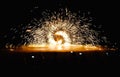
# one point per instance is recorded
(61, 31)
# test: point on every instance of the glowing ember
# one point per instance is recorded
(62, 32)
(58, 48)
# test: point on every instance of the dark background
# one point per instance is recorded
(106, 13)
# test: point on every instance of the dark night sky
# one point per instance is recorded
(17, 12)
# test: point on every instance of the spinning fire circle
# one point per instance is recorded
(62, 32)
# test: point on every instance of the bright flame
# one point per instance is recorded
(58, 38)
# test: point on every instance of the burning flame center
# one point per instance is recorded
(59, 38)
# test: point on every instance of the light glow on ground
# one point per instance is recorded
(58, 48)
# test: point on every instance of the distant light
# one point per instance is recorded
(71, 51)
(107, 53)
(80, 53)
(33, 57)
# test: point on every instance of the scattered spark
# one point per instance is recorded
(28, 30)
(61, 30)
(11, 49)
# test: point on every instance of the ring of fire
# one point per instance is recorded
(62, 32)
(59, 38)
